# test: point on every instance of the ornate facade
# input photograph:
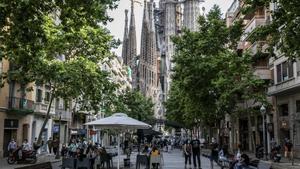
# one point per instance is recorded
(151, 71)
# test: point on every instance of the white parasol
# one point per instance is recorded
(119, 121)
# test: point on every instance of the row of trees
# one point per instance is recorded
(210, 77)
(61, 44)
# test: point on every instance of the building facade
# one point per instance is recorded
(280, 72)
(23, 113)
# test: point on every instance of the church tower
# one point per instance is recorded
(131, 47)
(125, 40)
(148, 53)
(191, 14)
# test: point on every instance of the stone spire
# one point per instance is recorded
(144, 50)
(191, 14)
(144, 33)
(131, 53)
(125, 40)
(152, 36)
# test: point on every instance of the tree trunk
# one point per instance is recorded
(249, 131)
(39, 141)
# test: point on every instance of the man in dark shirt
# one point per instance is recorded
(196, 151)
(214, 153)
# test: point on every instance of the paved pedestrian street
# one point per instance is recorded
(171, 160)
(175, 160)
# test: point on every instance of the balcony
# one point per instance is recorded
(64, 115)
(254, 23)
(290, 85)
(257, 47)
(263, 72)
(42, 108)
(20, 105)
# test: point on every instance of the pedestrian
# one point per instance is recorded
(214, 153)
(12, 146)
(50, 145)
(187, 149)
(35, 144)
(92, 154)
(55, 145)
(64, 150)
(243, 163)
(72, 148)
(154, 153)
(26, 148)
(196, 151)
(288, 146)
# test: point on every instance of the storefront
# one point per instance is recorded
(78, 133)
(10, 132)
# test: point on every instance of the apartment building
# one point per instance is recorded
(282, 75)
(23, 113)
(239, 129)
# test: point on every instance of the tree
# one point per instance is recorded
(137, 106)
(58, 43)
(283, 32)
(210, 77)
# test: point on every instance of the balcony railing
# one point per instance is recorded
(20, 103)
(42, 108)
(292, 84)
(263, 72)
(256, 47)
(64, 115)
(254, 23)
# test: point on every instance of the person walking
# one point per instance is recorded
(55, 145)
(187, 150)
(196, 152)
(35, 145)
(214, 153)
(288, 146)
(72, 148)
(50, 145)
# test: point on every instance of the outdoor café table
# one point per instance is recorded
(107, 159)
(142, 159)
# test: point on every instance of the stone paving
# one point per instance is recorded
(172, 160)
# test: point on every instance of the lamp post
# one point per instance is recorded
(263, 113)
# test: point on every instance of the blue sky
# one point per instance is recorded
(117, 26)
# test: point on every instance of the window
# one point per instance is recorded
(284, 71)
(57, 103)
(284, 110)
(47, 96)
(38, 95)
(297, 106)
(66, 105)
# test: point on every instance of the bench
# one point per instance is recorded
(46, 165)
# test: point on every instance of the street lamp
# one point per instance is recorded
(263, 113)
